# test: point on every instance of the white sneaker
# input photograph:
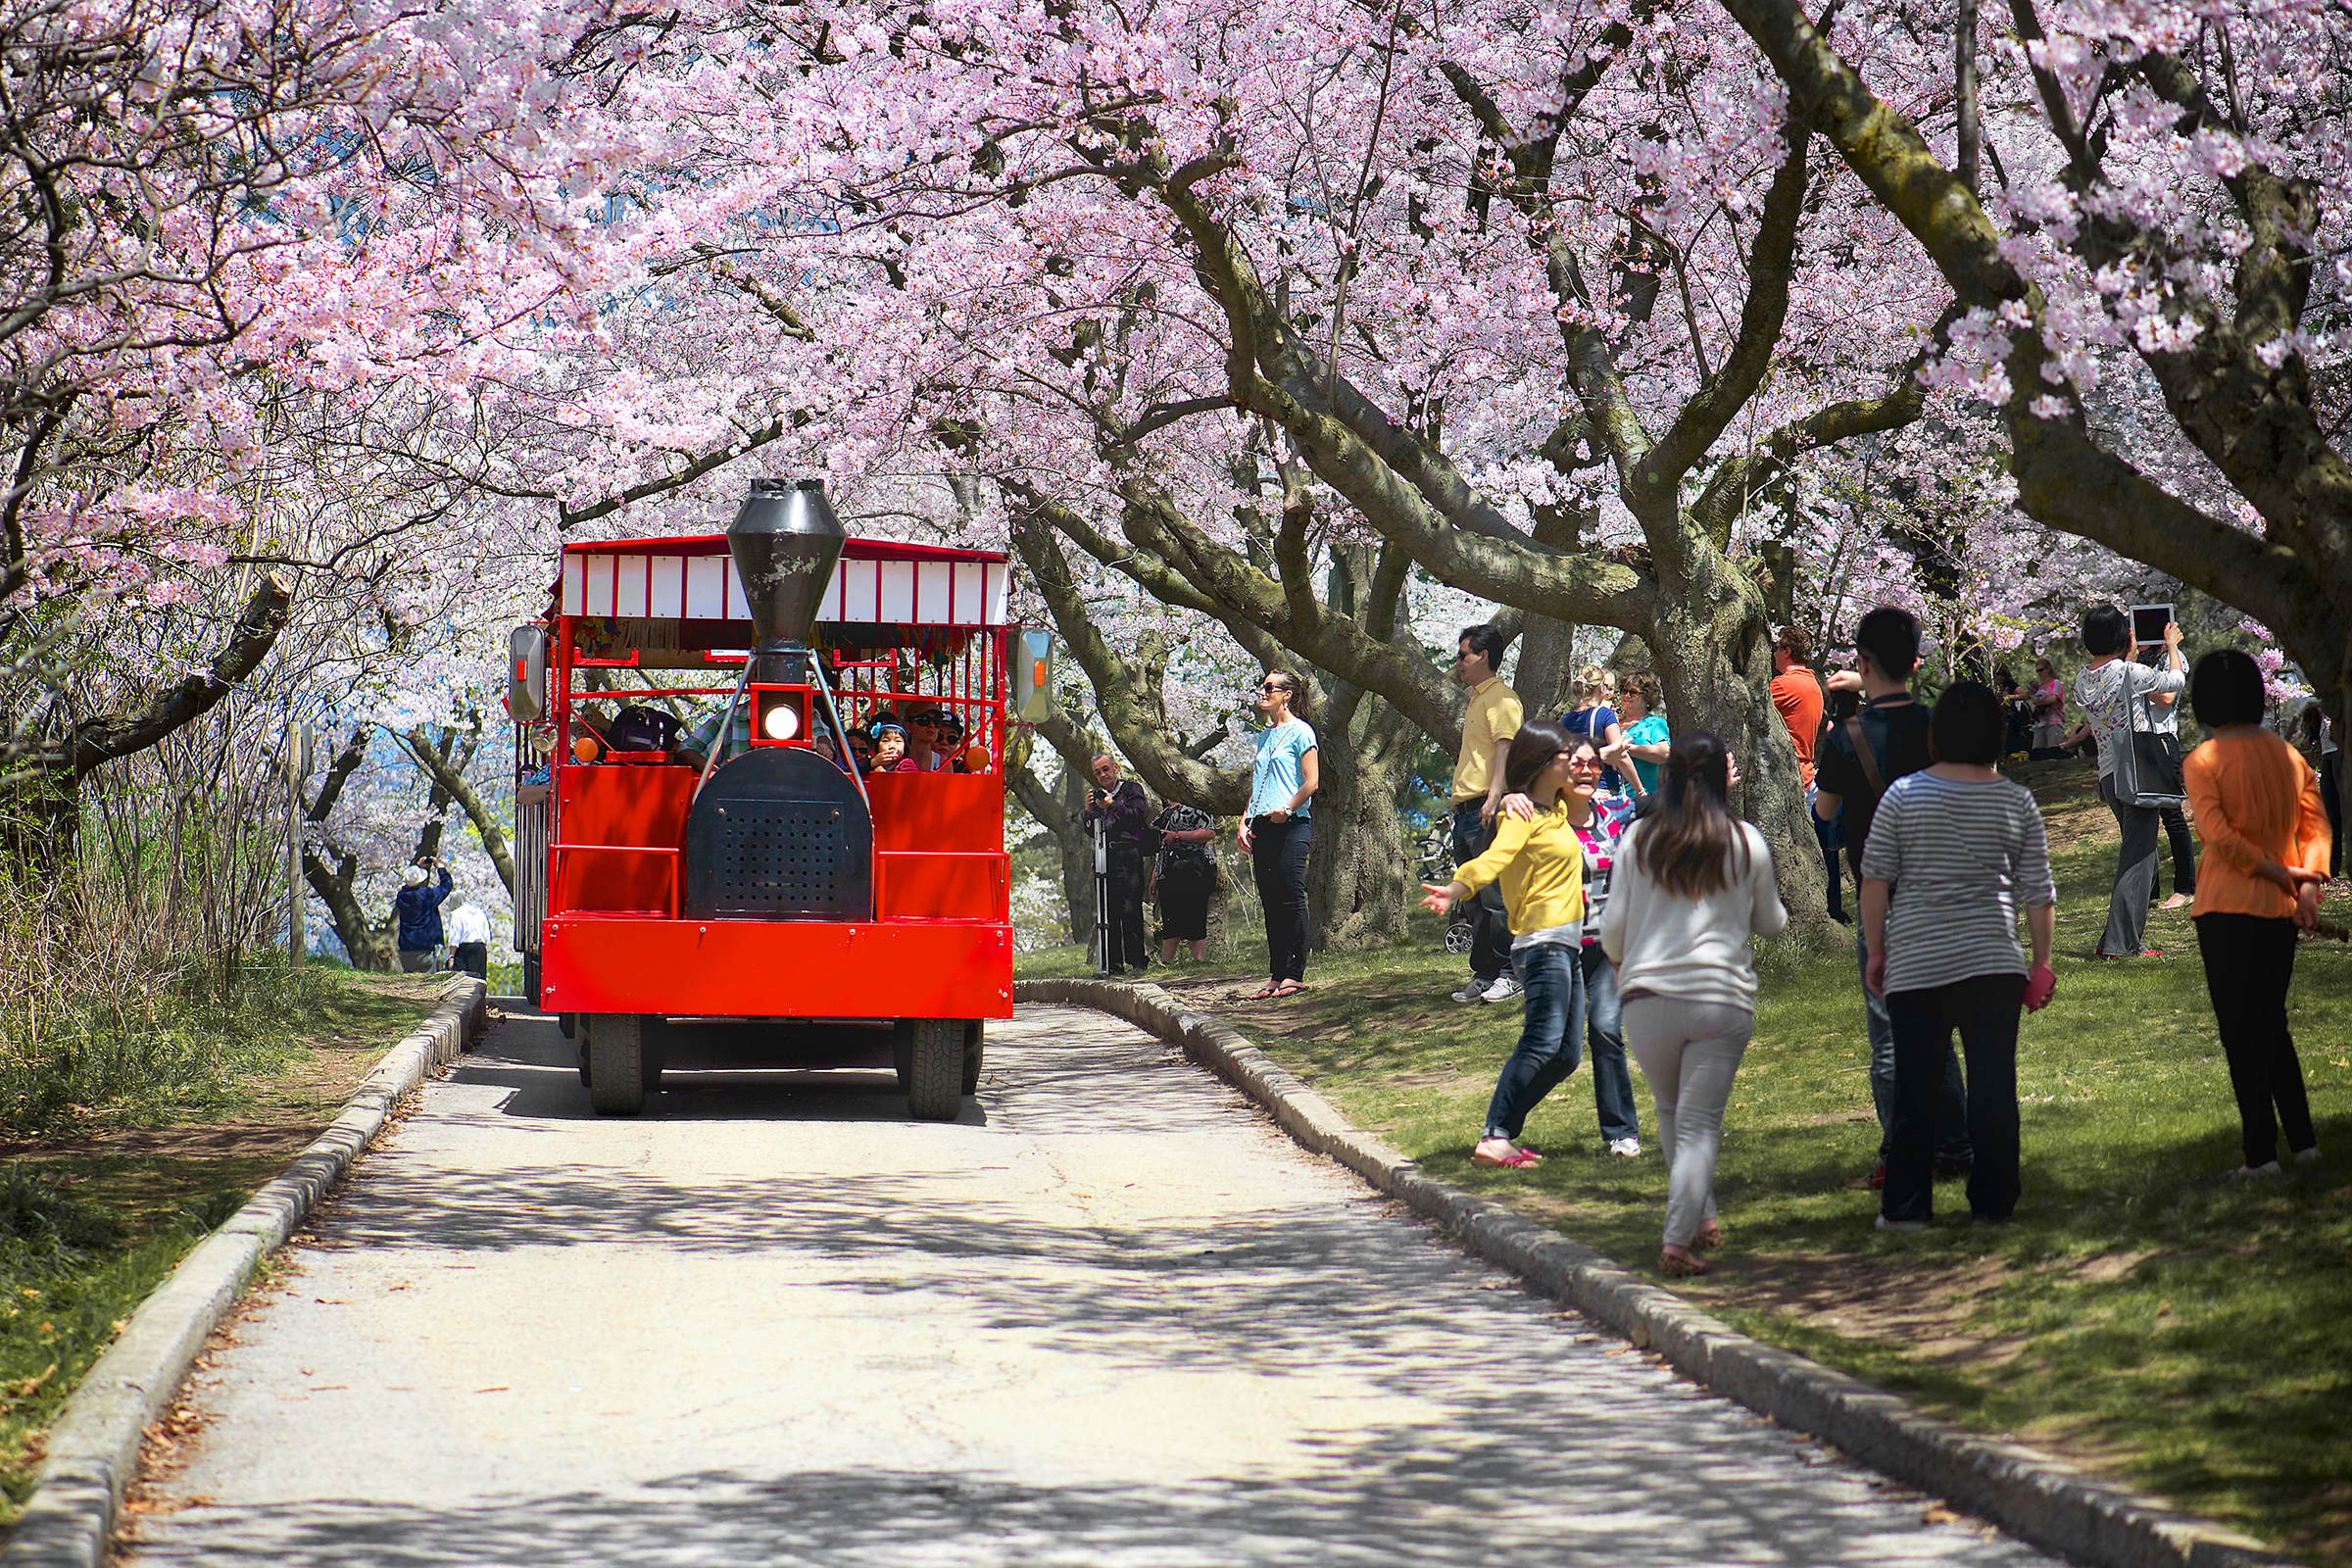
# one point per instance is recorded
(2269, 1168)
(1476, 989)
(2308, 1156)
(1886, 1224)
(1626, 1145)
(1503, 989)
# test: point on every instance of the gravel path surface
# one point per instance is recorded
(1110, 1316)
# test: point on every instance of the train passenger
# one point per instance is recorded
(922, 742)
(951, 743)
(861, 751)
(890, 749)
(696, 748)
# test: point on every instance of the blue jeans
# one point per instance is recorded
(1951, 1097)
(1490, 923)
(1551, 1039)
(1604, 1031)
(1831, 836)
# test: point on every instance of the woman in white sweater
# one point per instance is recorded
(1693, 884)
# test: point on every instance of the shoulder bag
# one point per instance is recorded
(2146, 764)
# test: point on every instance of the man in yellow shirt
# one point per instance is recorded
(1493, 718)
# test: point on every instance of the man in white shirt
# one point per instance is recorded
(2113, 694)
(470, 940)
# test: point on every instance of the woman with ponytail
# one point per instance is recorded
(1691, 885)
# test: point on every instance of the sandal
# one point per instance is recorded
(1675, 1266)
(1709, 1236)
(1509, 1156)
(1288, 988)
(1260, 993)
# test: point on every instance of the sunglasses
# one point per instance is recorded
(1269, 686)
(1584, 762)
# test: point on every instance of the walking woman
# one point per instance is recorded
(2257, 808)
(1540, 862)
(1275, 830)
(1958, 849)
(1691, 885)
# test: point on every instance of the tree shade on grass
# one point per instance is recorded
(2144, 1314)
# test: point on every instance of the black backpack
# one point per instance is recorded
(637, 728)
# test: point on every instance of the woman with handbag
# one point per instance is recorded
(2257, 805)
(2133, 763)
(1183, 877)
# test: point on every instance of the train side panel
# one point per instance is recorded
(776, 968)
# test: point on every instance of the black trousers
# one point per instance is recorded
(1985, 1008)
(1278, 860)
(1491, 922)
(1184, 891)
(2332, 797)
(2249, 962)
(474, 958)
(1123, 946)
(2184, 852)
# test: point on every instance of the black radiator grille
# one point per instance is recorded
(779, 857)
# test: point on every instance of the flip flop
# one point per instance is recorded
(1259, 995)
(1290, 990)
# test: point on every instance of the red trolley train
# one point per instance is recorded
(759, 879)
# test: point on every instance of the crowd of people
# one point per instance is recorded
(1607, 871)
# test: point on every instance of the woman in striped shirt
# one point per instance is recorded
(1954, 850)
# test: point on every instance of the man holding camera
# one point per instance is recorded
(1126, 817)
(417, 908)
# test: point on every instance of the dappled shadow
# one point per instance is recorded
(1392, 1401)
(1399, 1504)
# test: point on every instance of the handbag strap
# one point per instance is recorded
(1862, 754)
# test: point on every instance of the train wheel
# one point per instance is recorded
(617, 1063)
(935, 1086)
(975, 1047)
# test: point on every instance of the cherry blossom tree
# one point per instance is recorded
(2154, 279)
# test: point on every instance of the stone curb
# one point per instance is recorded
(2029, 1494)
(93, 1449)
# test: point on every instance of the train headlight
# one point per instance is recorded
(781, 723)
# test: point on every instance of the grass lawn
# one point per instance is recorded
(2143, 1316)
(92, 1219)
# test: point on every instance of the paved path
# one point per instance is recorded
(1109, 1317)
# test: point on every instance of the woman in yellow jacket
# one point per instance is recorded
(2257, 806)
(1541, 864)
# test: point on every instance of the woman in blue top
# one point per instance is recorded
(1275, 830)
(1645, 735)
(1596, 688)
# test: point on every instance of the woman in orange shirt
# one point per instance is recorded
(2257, 808)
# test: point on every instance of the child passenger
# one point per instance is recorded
(1541, 864)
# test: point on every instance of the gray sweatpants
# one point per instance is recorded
(2135, 855)
(1688, 1051)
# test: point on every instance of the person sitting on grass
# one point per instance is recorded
(2257, 808)
(1691, 885)
(1965, 848)
(1540, 865)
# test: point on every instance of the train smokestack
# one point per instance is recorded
(785, 541)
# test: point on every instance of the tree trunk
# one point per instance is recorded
(368, 946)
(1714, 658)
(1358, 873)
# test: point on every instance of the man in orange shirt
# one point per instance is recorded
(1797, 694)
